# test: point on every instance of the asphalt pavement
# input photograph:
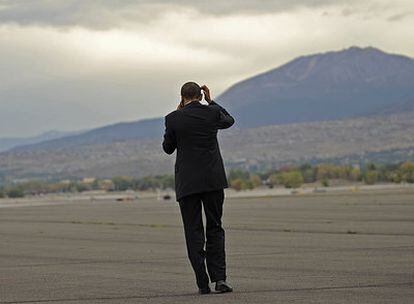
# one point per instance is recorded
(314, 248)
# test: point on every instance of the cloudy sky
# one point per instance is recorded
(75, 64)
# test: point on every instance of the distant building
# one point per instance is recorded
(107, 184)
(88, 180)
(20, 180)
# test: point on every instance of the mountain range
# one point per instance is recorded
(8, 143)
(338, 90)
(335, 85)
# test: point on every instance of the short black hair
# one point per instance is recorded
(190, 90)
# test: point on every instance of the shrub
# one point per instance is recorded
(122, 183)
(247, 184)
(240, 184)
(274, 179)
(236, 184)
(82, 187)
(355, 174)
(255, 180)
(325, 182)
(371, 177)
(407, 172)
(293, 179)
(15, 192)
(238, 174)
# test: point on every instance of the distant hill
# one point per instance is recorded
(349, 83)
(12, 142)
(343, 105)
(389, 138)
(142, 129)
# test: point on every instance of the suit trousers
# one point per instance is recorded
(214, 252)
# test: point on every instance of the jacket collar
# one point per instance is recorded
(193, 103)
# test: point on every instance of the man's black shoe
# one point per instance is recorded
(205, 290)
(223, 286)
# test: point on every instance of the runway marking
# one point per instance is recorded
(149, 297)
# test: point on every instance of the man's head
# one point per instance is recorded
(191, 91)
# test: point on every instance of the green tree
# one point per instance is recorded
(80, 187)
(274, 179)
(237, 173)
(247, 185)
(35, 187)
(236, 184)
(323, 171)
(15, 192)
(255, 180)
(371, 177)
(394, 177)
(167, 181)
(122, 183)
(96, 184)
(308, 176)
(293, 179)
(325, 182)
(407, 172)
(355, 174)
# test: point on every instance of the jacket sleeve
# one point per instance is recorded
(170, 143)
(224, 119)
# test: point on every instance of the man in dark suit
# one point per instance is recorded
(200, 180)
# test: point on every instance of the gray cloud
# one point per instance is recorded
(80, 64)
(399, 17)
(105, 14)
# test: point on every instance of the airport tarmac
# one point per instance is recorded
(313, 248)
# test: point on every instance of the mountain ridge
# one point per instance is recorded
(350, 141)
(284, 101)
(339, 84)
(7, 143)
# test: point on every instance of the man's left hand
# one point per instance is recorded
(206, 91)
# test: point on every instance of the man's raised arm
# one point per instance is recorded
(224, 119)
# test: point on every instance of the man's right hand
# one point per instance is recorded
(206, 91)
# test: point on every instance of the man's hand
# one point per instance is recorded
(206, 91)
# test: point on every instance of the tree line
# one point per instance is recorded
(296, 176)
(289, 177)
(117, 183)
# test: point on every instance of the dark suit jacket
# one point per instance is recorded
(192, 130)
